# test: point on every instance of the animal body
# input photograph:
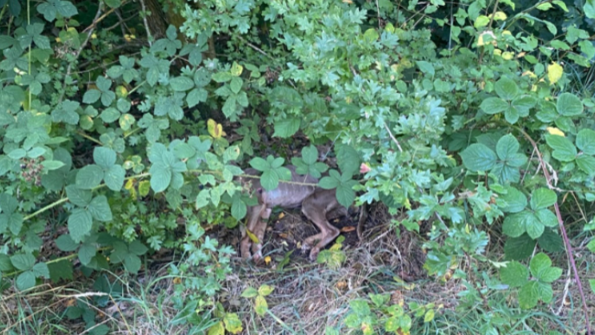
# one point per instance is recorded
(316, 203)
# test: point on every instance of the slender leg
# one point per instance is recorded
(254, 214)
(259, 231)
(315, 207)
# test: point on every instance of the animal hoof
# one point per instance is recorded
(314, 254)
(306, 246)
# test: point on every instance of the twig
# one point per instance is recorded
(563, 230)
(393, 137)
(149, 37)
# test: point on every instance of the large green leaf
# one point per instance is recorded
(564, 150)
(89, 176)
(80, 223)
(506, 88)
(514, 274)
(100, 209)
(478, 157)
(543, 198)
(494, 105)
(585, 141)
(569, 104)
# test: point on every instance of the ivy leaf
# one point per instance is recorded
(80, 223)
(569, 104)
(564, 150)
(478, 157)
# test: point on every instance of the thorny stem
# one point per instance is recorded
(562, 229)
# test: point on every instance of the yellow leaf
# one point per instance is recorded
(282, 215)
(507, 55)
(130, 187)
(554, 72)
(144, 187)
(215, 129)
(500, 16)
(236, 69)
(267, 260)
(260, 305)
(251, 236)
(555, 131)
(217, 329)
(530, 74)
(121, 91)
(429, 315)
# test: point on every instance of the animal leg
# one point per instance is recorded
(315, 207)
(259, 231)
(254, 214)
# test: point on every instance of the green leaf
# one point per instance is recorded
(78, 196)
(543, 198)
(86, 253)
(546, 217)
(287, 127)
(426, 67)
(585, 141)
(586, 164)
(236, 84)
(550, 241)
(249, 292)
(514, 274)
(137, 248)
(310, 154)
(494, 105)
(181, 84)
(238, 207)
(564, 150)
(22, 261)
(60, 270)
(514, 224)
(348, 160)
(506, 88)
(132, 263)
(529, 295)
(519, 248)
(114, 177)
(100, 209)
(80, 223)
(259, 164)
(66, 243)
(52, 165)
(478, 157)
(41, 270)
(104, 157)
(91, 96)
(569, 105)
(511, 115)
(589, 9)
(533, 226)
(89, 176)
(360, 307)
(5, 263)
(110, 115)
(260, 305)
(515, 199)
(161, 176)
(269, 180)
(265, 290)
(507, 147)
(221, 77)
(25, 280)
